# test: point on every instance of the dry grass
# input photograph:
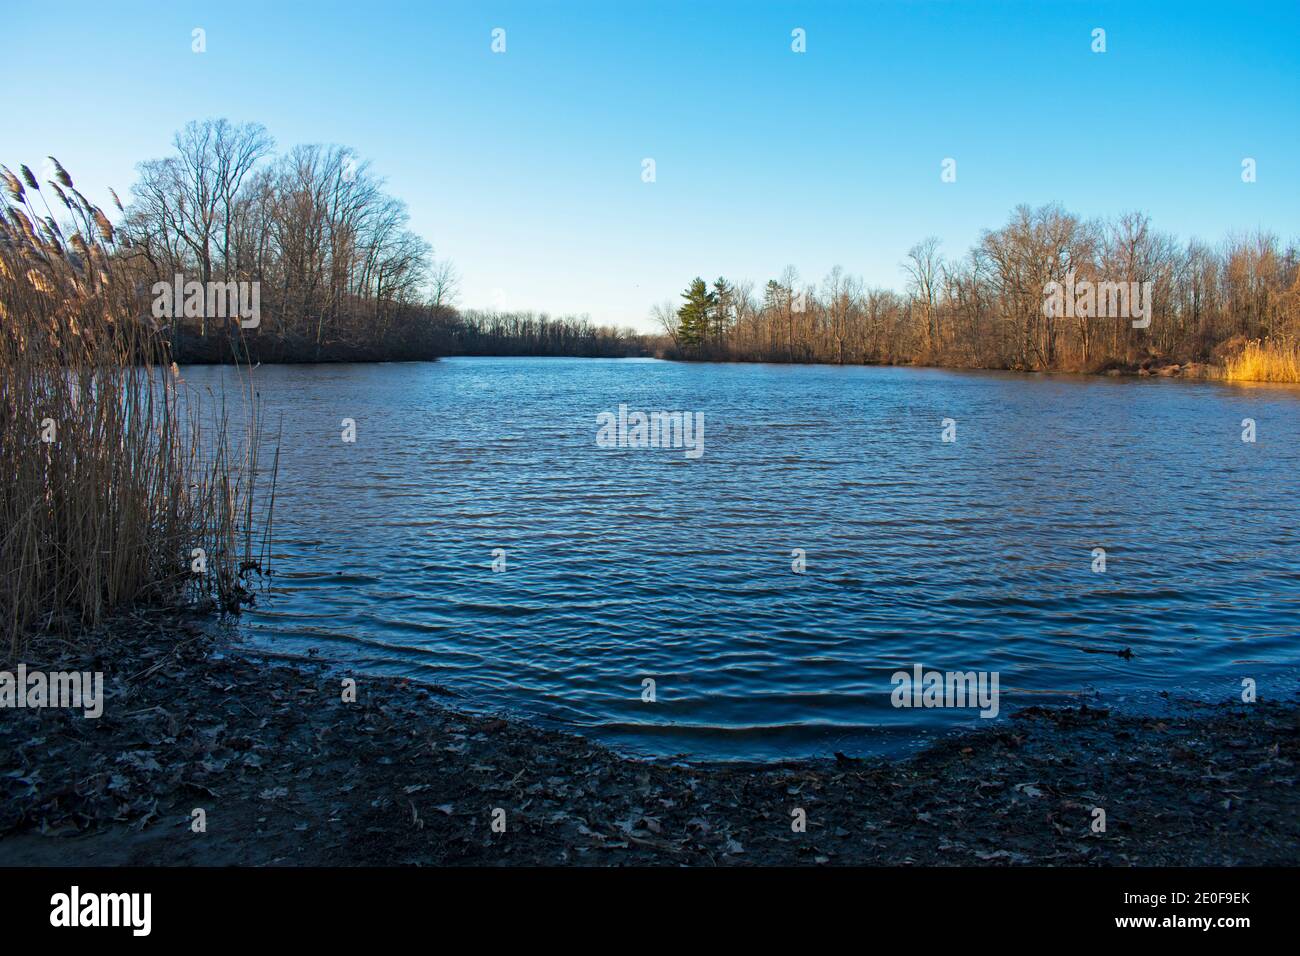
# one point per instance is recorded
(1264, 361)
(112, 471)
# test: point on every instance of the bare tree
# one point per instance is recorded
(444, 282)
(923, 266)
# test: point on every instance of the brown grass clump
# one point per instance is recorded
(118, 483)
(1264, 361)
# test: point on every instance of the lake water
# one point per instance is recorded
(623, 564)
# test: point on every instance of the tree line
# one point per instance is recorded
(341, 275)
(985, 309)
(475, 332)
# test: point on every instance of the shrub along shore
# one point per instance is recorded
(209, 754)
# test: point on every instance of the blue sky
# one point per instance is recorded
(525, 167)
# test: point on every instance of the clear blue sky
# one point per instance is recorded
(525, 168)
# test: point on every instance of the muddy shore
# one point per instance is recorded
(288, 773)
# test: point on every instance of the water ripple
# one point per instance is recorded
(627, 564)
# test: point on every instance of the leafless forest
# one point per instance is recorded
(343, 277)
(985, 309)
(341, 274)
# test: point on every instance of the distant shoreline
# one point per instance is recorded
(1200, 371)
(1194, 371)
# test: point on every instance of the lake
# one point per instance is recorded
(623, 564)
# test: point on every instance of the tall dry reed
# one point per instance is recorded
(1266, 361)
(119, 484)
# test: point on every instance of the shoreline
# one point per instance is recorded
(286, 773)
(1190, 371)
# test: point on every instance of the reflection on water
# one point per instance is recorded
(624, 564)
